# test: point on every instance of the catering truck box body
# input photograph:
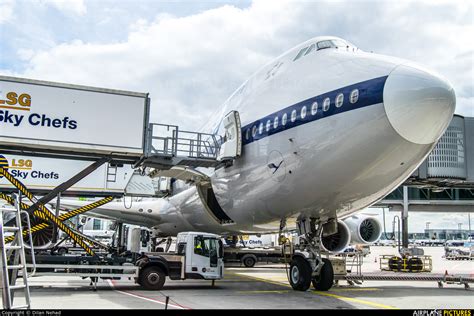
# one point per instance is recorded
(51, 116)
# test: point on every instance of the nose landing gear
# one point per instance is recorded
(307, 266)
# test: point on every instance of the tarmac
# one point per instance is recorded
(260, 287)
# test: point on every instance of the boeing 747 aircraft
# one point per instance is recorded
(319, 133)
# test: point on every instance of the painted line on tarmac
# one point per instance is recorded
(149, 299)
(263, 292)
(355, 300)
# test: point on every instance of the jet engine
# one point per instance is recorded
(364, 229)
(339, 241)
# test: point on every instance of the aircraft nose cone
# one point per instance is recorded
(418, 104)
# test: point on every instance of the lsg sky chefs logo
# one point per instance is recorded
(13, 108)
(23, 168)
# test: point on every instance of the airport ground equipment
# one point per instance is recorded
(44, 225)
(13, 257)
(44, 213)
(250, 256)
(198, 256)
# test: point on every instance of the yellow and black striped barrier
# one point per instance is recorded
(63, 217)
(45, 214)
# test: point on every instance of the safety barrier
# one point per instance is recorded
(63, 217)
(45, 214)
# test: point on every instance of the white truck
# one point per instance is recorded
(198, 256)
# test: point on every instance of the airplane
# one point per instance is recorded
(319, 133)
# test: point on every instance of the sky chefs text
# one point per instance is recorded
(36, 119)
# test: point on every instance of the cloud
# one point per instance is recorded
(6, 10)
(190, 64)
(67, 6)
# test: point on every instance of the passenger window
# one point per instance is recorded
(260, 128)
(247, 134)
(269, 124)
(254, 131)
(339, 100)
(303, 112)
(354, 96)
(314, 108)
(293, 116)
(283, 119)
(302, 51)
(275, 122)
(326, 104)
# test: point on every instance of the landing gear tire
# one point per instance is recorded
(325, 280)
(152, 278)
(300, 274)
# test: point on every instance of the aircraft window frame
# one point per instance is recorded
(303, 112)
(284, 119)
(339, 100)
(354, 96)
(301, 53)
(314, 108)
(269, 124)
(293, 116)
(310, 49)
(326, 104)
(275, 122)
(260, 128)
(254, 131)
(329, 43)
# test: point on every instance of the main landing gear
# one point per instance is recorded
(307, 266)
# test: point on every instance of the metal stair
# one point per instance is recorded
(13, 259)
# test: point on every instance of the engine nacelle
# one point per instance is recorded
(363, 229)
(339, 241)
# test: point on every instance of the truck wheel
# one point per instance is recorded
(249, 261)
(300, 274)
(152, 278)
(325, 280)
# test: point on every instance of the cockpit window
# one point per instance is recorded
(339, 43)
(302, 51)
(310, 49)
(325, 44)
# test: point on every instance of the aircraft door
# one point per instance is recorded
(231, 147)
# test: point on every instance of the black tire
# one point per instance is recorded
(62, 251)
(152, 278)
(249, 261)
(300, 274)
(325, 280)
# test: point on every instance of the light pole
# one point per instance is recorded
(427, 229)
(460, 230)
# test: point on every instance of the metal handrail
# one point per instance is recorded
(191, 144)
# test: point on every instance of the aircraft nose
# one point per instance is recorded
(418, 104)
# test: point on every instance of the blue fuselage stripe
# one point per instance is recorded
(370, 92)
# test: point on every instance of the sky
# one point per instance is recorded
(191, 55)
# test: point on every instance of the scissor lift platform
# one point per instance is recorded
(461, 279)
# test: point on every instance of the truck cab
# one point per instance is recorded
(198, 256)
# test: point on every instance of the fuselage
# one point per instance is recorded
(327, 130)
